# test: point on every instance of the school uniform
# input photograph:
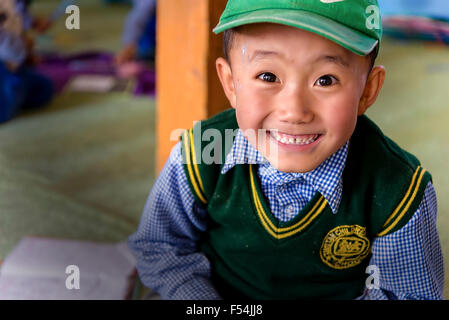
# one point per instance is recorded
(244, 229)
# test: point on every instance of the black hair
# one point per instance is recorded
(228, 39)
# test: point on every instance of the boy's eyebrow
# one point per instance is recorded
(263, 54)
(327, 57)
(334, 59)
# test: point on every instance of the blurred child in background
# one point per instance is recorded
(139, 34)
(21, 87)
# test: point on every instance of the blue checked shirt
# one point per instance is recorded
(409, 261)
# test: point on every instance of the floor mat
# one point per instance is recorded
(61, 69)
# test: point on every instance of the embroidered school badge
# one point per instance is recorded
(345, 247)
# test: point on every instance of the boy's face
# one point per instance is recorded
(305, 91)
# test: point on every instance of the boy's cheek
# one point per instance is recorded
(341, 111)
(252, 107)
(343, 130)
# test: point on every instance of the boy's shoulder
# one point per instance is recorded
(394, 177)
(377, 146)
(204, 148)
(223, 120)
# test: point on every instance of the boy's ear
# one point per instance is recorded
(373, 86)
(225, 74)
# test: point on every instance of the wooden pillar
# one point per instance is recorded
(188, 88)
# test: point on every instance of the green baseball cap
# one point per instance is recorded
(353, 24)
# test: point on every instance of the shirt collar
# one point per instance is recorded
(242, 152)
(326, 178)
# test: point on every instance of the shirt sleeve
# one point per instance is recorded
(165, 243)
(137, 20)
(409, 261)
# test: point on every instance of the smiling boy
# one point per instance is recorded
(311, 194)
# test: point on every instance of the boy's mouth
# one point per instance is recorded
(299, 140)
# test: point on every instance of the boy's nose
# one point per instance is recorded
(295, 107)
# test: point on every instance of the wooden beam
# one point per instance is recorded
(188, 88)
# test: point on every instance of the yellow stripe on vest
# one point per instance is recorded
(281, 233)
(195, 164)
(190, 170)
(400, 210)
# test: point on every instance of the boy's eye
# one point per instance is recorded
(326, 81)
(268, 77)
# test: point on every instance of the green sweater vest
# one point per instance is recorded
(318, 254)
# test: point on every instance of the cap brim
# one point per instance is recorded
(351, 39)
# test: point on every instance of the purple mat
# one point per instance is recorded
(60, 69)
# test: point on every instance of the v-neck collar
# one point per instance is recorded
(277, 229)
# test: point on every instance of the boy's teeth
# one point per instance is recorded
(308, 139)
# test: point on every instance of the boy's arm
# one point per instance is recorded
(165, 243)
(410, 261)
(137, 19)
